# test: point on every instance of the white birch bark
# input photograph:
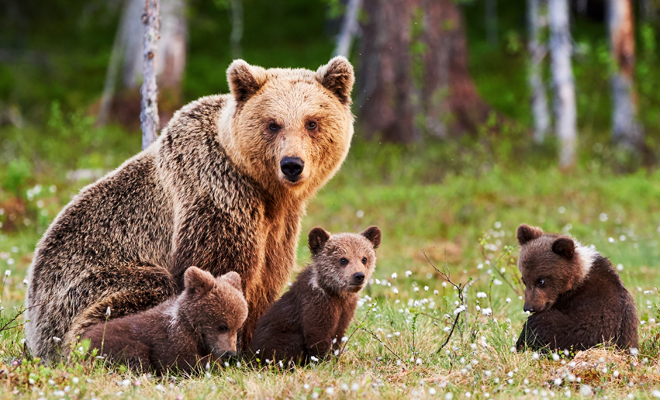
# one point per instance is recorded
(131, 36)
(562, 75)
(149, 115)
(537, 54)
(349, 28)
(172, 43)
(625, 127)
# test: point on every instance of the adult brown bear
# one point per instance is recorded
(224, 188)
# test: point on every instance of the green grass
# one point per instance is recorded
(459, 215)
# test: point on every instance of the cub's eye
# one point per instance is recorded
(223, 328)
(364, 261)
(310, 125)
(541, 282)
(274, 127)
(343, 261)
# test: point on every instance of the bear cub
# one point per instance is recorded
(182, 333)
(311, 318)
(576, 297)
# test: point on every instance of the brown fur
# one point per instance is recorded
(311, 318)
(183, 333)
(209, 192)
(577, 299)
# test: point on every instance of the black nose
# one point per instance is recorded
(528, 308)
(358, 277)
(292, 167)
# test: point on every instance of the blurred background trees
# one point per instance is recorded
(474, 75)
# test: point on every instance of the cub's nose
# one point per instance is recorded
(358, 277)
(292, 167)
(528, 308)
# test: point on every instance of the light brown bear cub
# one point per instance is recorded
(576, 298)
(198, 326)
(311, 318)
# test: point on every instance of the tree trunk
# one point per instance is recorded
(236, 9)
(149, 115)
(625, 127)
(414, 68)
(537, 54)
(131, 36)
(348, 29)
(111, 76)
(562, 75)
(172, 48)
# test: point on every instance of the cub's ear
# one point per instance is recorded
(564, 246)
(338, 77)
(525, 233)
(373, 234)
(197, 281)
(233, 278)
(317, 239)
(245, 80)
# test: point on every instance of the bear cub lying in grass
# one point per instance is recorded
(198, 326)
(576, 298)
(311, 318)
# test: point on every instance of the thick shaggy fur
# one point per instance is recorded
(209, 192)
(311, 318)
(183, 333)
(577, 299)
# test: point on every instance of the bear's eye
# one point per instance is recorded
(343, 261)
(274, 127)
(541, 282)
(223, 328)
(364, 261)
(310, 125)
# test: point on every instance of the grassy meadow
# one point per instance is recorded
(458, 208)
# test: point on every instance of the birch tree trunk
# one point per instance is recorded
(172, 46)
(236, 9)
(149, 116)
(349, 28)
(562, 75)
(537, 54)
(111, 77)
(131, 36)
(625, 127)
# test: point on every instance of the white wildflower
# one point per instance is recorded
(482, 295)
(486, 311)
(394, 275)
(497, 282)
(408, 274)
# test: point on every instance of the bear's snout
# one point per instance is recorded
(358, 278)
(528, 308)
(292, 167)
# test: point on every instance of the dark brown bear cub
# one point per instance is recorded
(576, 298)
(187, 331)
(311, 318)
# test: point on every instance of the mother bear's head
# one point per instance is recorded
(290, 129)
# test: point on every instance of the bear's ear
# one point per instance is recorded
(373, 234)
(526, 233)
(338, 77)
(197, 281)
(245, 80)
(564, 246)
(233, 278)
(317, 239)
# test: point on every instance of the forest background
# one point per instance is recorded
(453, 149)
